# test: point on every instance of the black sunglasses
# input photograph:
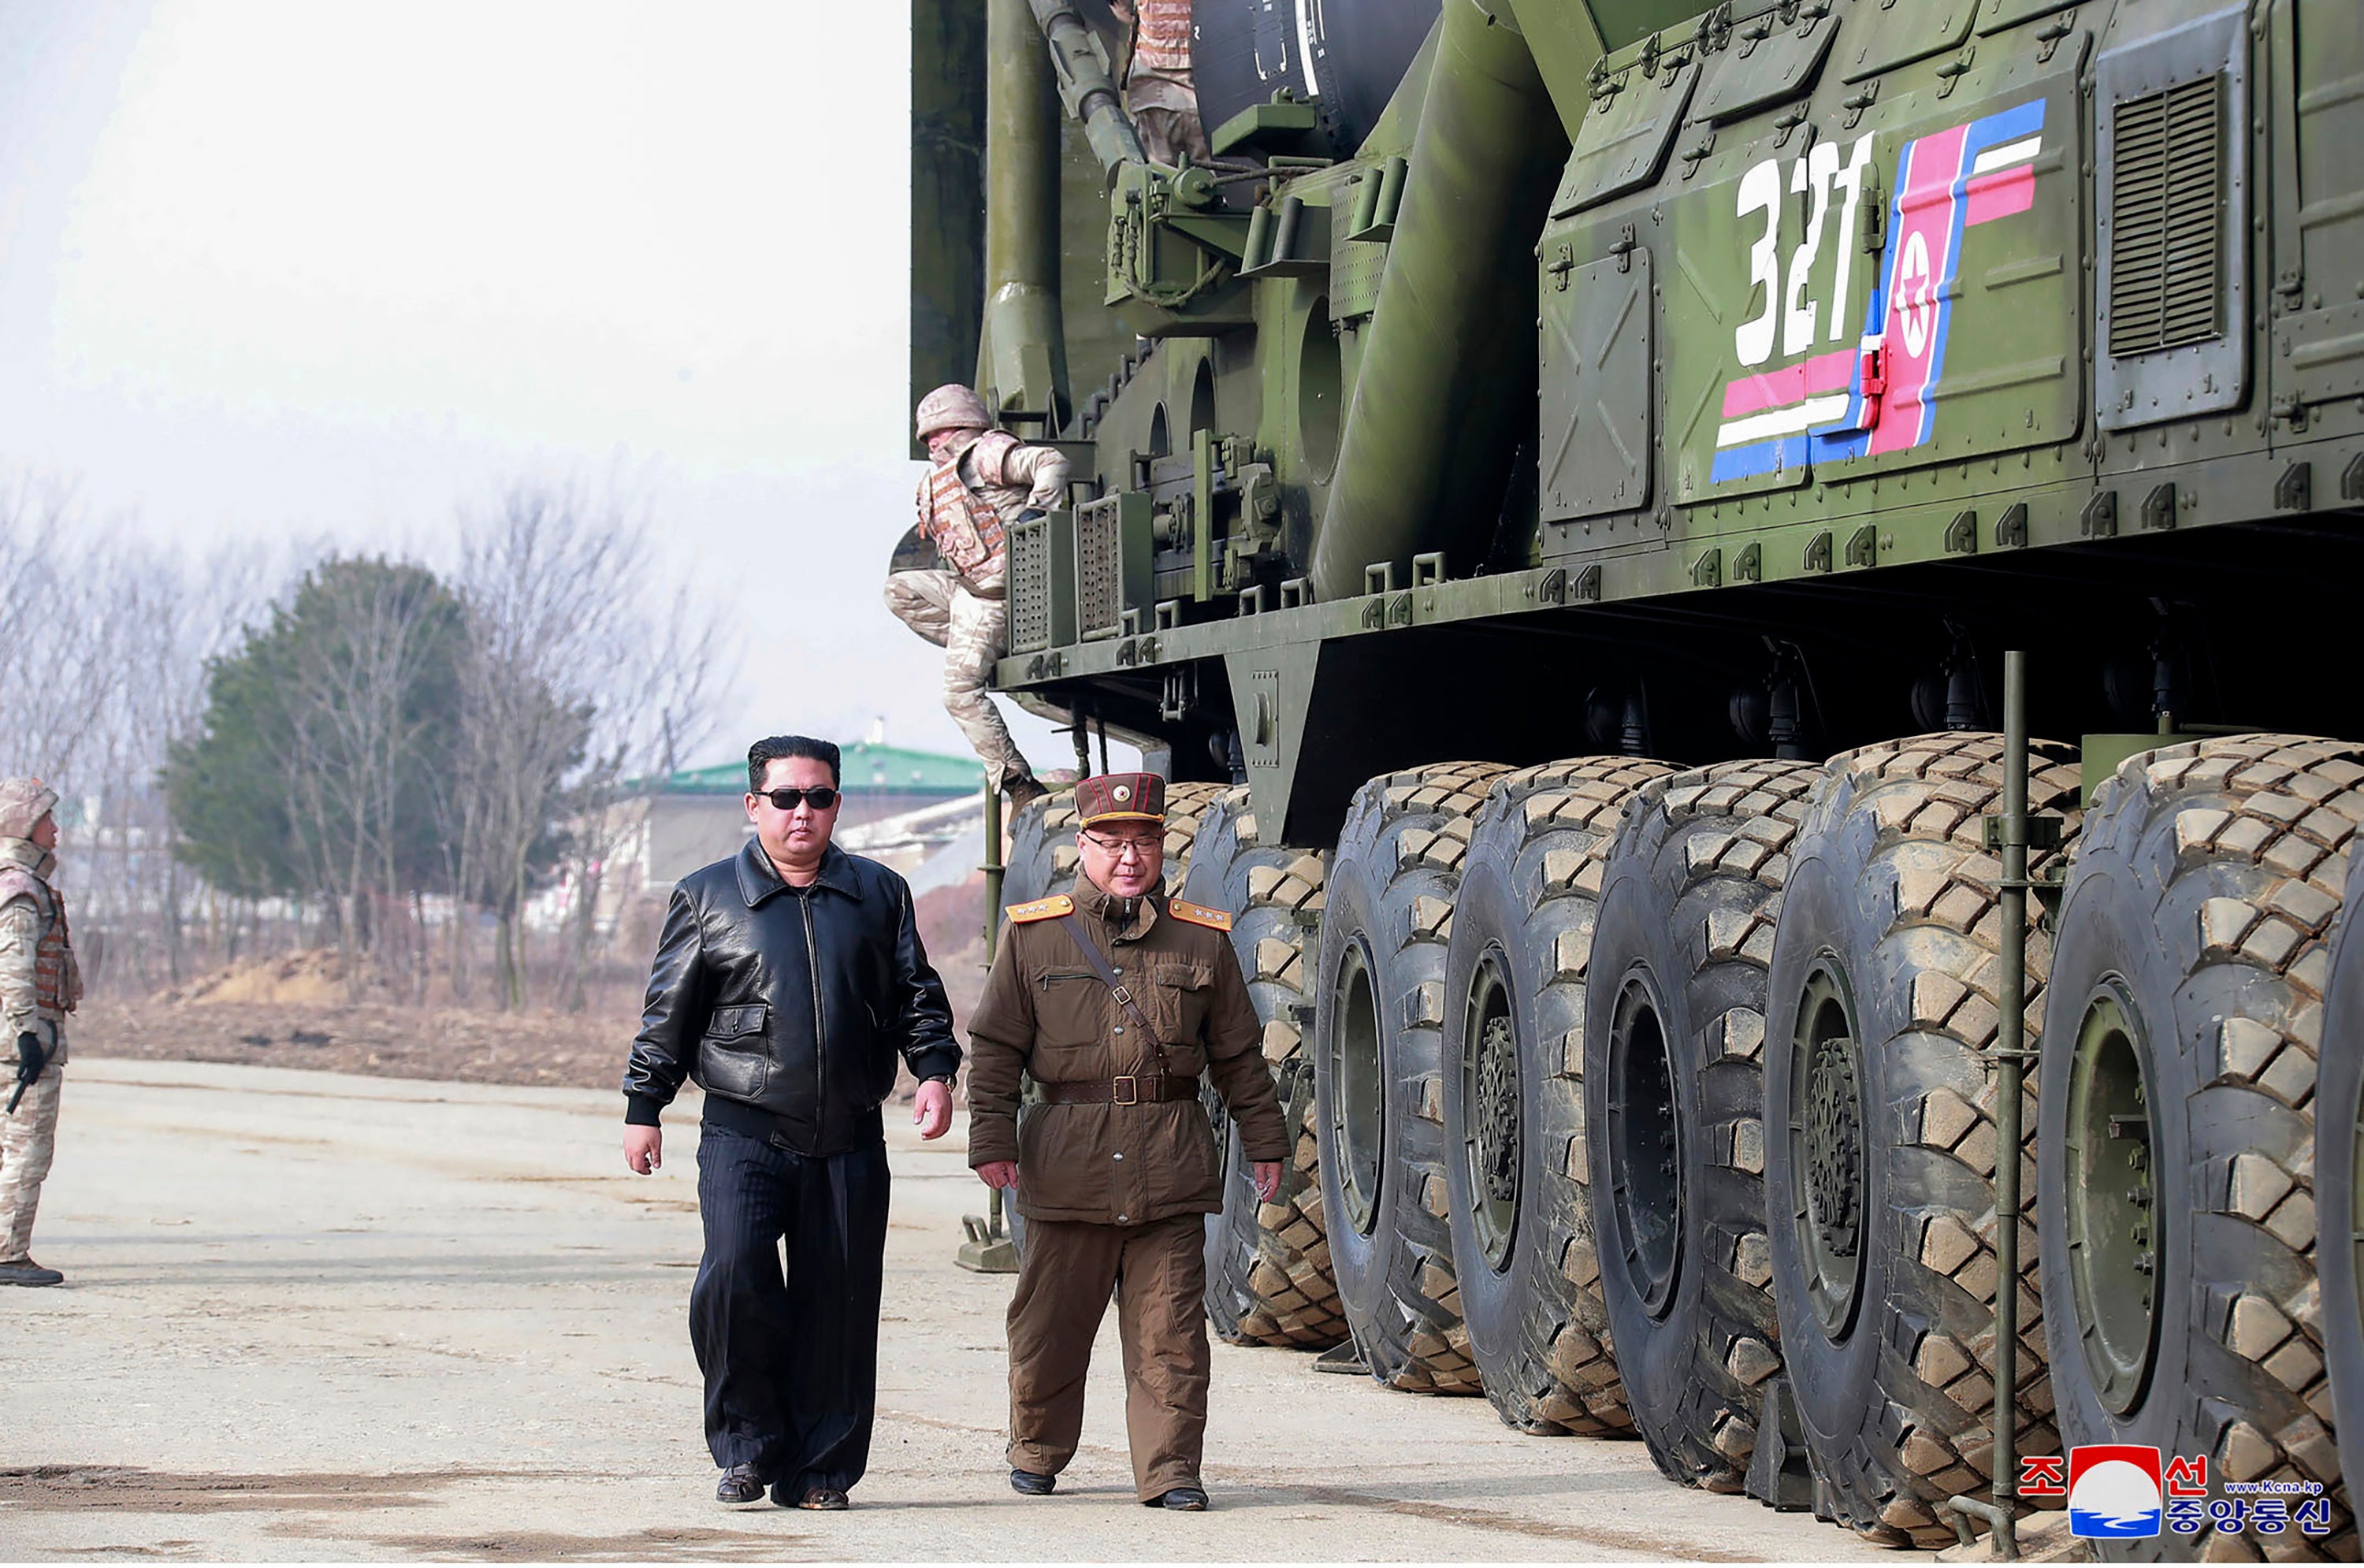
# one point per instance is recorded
(822, 798)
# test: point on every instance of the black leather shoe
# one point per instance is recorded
(825, 1499)
(740, 1485)
(24, 1271)
(1186, 1499)
(1027, 1484)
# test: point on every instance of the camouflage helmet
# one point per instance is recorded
(952, 407)
(23, 802)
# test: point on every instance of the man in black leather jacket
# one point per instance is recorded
(789, 979)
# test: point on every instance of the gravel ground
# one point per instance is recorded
(312, 1316)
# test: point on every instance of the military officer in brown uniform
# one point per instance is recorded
(1116, 999)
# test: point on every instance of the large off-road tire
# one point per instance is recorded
(1269, 1280)
(1674, 1094)
(2178, 1163)
(1880, 1155)
(2339, 1109)
(1379, 1004)
(1513, 1089)
(1187, 806)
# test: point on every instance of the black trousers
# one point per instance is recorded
(791, 1363)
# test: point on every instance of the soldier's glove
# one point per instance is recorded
(31, 1057)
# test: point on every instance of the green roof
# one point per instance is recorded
(863, 768)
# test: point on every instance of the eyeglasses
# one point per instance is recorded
(1128, 849)
(789, 799)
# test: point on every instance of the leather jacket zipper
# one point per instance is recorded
(820, 1033)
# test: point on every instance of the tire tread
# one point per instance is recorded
(1720, 838)
(1415, 827)
(2248, 839)
(1924, 1437)
(1269, 1282)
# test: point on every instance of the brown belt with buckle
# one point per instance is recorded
(1131, 1089)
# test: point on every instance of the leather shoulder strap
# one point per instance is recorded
(1107, 972)
(1199, 914)
(1058, 906)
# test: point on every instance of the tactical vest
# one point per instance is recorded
(964, 526)
(1163, 43)
(57, 981)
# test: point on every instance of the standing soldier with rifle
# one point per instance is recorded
(38, 986)
(979, 481)
(1116, 999)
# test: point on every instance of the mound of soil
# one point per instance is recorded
(309, 976)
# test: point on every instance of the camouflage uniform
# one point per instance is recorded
(965, 503)
(38, 986)
(1158, 90)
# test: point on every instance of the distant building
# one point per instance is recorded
(700, 815)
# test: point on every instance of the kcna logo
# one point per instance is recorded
(2115, 1491)
(2118, 1491)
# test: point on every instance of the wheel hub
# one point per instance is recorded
(1830, 1168)
(1357, 1089)
(1645, 1143)
(1489, 1099)
(1498, 1110)
(1834, 1146)
(2113, 1228)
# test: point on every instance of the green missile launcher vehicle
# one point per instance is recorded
(1556, 491)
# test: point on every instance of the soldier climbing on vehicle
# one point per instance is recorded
(979, 481)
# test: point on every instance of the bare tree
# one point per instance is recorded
(576, 686)
(578, 681)
(52, 648)
(104, 639)
(659, 706)
(163, 616)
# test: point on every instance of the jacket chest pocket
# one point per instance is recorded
(1068, 1006)
(1181, 994)
(734, 1054)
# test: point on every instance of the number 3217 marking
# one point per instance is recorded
(1789, 316)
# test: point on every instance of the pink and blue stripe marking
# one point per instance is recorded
(1814, 411)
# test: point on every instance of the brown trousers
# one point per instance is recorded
(1159, 1274)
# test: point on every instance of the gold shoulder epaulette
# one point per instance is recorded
(1049, 909)
(1199, 914)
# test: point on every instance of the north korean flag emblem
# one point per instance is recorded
(2113, 1491)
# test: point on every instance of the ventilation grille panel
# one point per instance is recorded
(1099, 570)
(1030, 585)
(2167, 245)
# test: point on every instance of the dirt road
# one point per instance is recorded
(311, 1316)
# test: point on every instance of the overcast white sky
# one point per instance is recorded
(287, 270)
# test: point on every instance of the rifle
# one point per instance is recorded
(30, 1058)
